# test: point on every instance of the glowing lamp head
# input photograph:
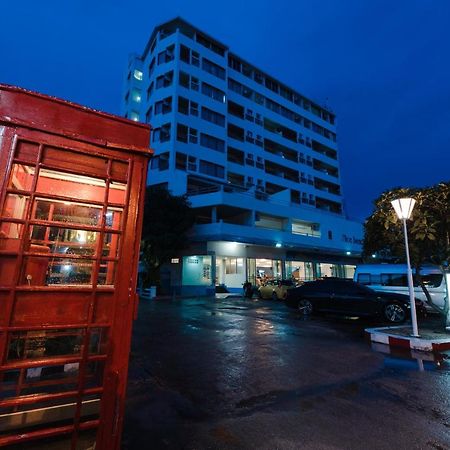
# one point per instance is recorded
(403, 207)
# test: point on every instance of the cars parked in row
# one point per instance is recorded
(345, 297)
(275, 289)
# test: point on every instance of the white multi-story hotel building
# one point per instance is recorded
(258, 160)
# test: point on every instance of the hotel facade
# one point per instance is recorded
(258, 161)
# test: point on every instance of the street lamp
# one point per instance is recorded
(403, 208)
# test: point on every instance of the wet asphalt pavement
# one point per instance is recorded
(252, 374)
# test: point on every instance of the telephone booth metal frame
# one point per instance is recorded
(72, 183)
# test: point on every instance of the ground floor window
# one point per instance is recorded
(230, 271)
(261, 270)
(197, 271)
(335, 270)
(299, 270)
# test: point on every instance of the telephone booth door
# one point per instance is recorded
(69, 212)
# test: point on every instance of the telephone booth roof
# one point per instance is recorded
(33, 110)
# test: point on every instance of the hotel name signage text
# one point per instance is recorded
(352, 239)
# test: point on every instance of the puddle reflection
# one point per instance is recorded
(404, 359)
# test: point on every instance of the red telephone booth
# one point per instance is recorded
(72, 183)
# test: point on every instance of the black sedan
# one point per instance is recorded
(341, 296)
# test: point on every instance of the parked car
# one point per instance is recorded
(393, 278)
(275, 289)
(341, 296)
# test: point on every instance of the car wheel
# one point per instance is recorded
(274, 296)
(260, 295)
(305, 307)
(395, 313)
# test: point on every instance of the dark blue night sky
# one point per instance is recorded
(383, 66)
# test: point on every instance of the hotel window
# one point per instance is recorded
(150, 90)
(183, 105)
(164, 80)
(235, 132)
(235, 86)
(184, 80)
(151, 67)
(193, 136)
(195, 58)
(138, 74)
(212, 142)
(161, 134)
(180, 161)
(247, 71)
(234, 63)
(235, 109)
(148, 115)
(194, 84)
(213, 69)
(234, 265)
(306, 228)
(295, 196)
(209, 44)
(259, 99)
(272, 85)
(212, 92)
(165, 32)
(192, 163)
(188, 82)
(211, 169)
(185, 54)
(213, 117)
(182, 133)
(166, 55)
(286, 93)
(189, 56)
(249, 160)
(136, 95)
(193, 108)
(163, 106)
(160, 162)
(186, 134)
(183, 162)
(258, 77)
(134, 116)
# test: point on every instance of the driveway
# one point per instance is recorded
(251, 374)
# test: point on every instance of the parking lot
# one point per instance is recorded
(241, 374)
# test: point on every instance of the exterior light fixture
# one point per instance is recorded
(348, 253)
(403, 208)
(278, 245)
(374, 255)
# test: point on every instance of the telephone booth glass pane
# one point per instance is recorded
(15, 206)
(64, 184)
(10, 236)
(21, 177)
(67, 212)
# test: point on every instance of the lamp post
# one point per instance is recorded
(403, 208)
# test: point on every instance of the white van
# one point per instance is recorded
(393, 278)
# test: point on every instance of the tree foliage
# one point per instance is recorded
(167, 220)
(428, 229)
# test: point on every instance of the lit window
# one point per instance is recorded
(134, 116)
(136, 95)
(137, 74)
